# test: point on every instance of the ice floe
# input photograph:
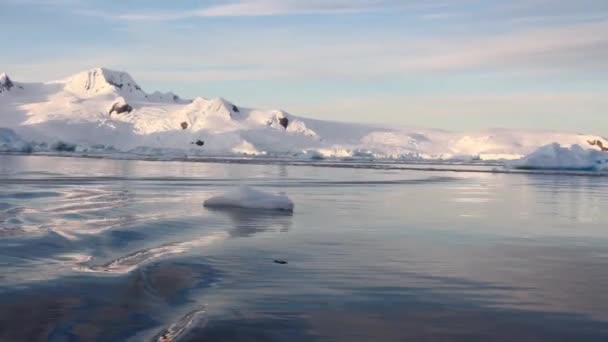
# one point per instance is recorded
(246, 197)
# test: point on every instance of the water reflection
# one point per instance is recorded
(129, 262)
(373, 255)
(247, 222)
(196, 318)
(113, 309)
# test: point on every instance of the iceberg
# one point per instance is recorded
(245, 197)
(556, 157)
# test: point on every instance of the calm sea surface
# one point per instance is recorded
(110, 250)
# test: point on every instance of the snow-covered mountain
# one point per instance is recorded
(105, 109)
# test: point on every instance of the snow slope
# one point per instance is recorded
(101, 107)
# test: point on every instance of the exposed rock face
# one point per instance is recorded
(284, 122)
(184, 125)
(235, 108)
(599, 144)
(199, 143)
(120, 108)
(278, 120)
(5, 83)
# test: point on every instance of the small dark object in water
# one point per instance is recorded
(282, 262)
(199, 143)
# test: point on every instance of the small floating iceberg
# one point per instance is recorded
(245, 197)
(556, 157)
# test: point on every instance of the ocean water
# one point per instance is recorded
(111, 250)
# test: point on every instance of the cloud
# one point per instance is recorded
(517, 10)
(579, 49)
(270, 8)
(572, 46)
(52, 3)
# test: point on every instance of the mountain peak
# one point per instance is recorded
(98, 81)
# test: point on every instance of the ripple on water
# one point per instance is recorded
(13, 221)
(364, 255)
(196, 318)
(30, 195)
(130, 262)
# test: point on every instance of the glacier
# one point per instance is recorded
(101, 111)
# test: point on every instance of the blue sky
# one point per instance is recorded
(451, 64)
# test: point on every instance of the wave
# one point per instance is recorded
(130, 262)
(178, 329)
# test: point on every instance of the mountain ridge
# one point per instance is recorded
(104, 106)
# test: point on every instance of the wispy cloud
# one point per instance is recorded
(41, 2)
(244, 8)
(573, 49)
(580, 48)
(519, 10)
(335, 57)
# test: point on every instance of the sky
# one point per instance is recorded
(449, 64)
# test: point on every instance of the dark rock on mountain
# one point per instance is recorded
(199, 143)
(235, 108)
(184, 125)
(599, 144)
(120, 108)
(279, 119)
(5, 83)
(284, 122)
(117, 85)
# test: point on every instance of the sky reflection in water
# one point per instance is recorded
(115, 250)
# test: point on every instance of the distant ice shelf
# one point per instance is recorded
(556, 157)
